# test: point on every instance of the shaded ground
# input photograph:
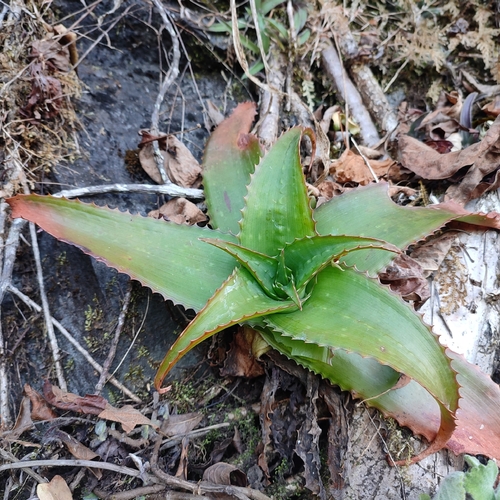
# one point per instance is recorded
(263, 425)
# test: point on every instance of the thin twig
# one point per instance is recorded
(75, 343)
(6, 455)
(75, 463)
(170, 77)
(133, 340)
(365, 159)
(169, 190)
(56, 353)
(173, 441)
(147, 490)
(206, 487)
(112, 349)
(102, 35)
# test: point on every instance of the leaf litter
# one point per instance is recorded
(480, 175)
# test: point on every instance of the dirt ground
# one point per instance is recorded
(283, 433)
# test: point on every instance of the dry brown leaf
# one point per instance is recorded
(180, 211)
(241, 361)
(57, 489)
(23, 421)
(46, 95)
(405, 277)
(127, 415)
(180, 165)
(77, 449)
(214, 115)
(52, 52)
(39, 407)
(350, 167)
(90, 404)
(329, 189)
(431, 254)
(178, 425)
(222, 473)
(182, 468)
(483, 158)
(493, 107)
(67, 39)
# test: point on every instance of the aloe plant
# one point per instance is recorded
(305, 279)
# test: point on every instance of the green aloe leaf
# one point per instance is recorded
(238, 300)
(168, 258)
(277, 207)
(230, 157)
(308, 256)
(347, 214)
(260, 266)
(350, 311)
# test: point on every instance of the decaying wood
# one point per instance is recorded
(334, 68)
(362, 76)
(271, 99)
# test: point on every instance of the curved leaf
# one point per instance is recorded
(369, 211)
(308, 256)
(167, 257)
(277, 207)
(350, 311)
(239, 299)
(230, 157)
(260, 266)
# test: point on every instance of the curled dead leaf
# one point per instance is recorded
(90, 404)
(405, 277)
(77, 449)
(180, 165)
(40, 410)
(223, 473)
(180, 211)
(240, 360)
